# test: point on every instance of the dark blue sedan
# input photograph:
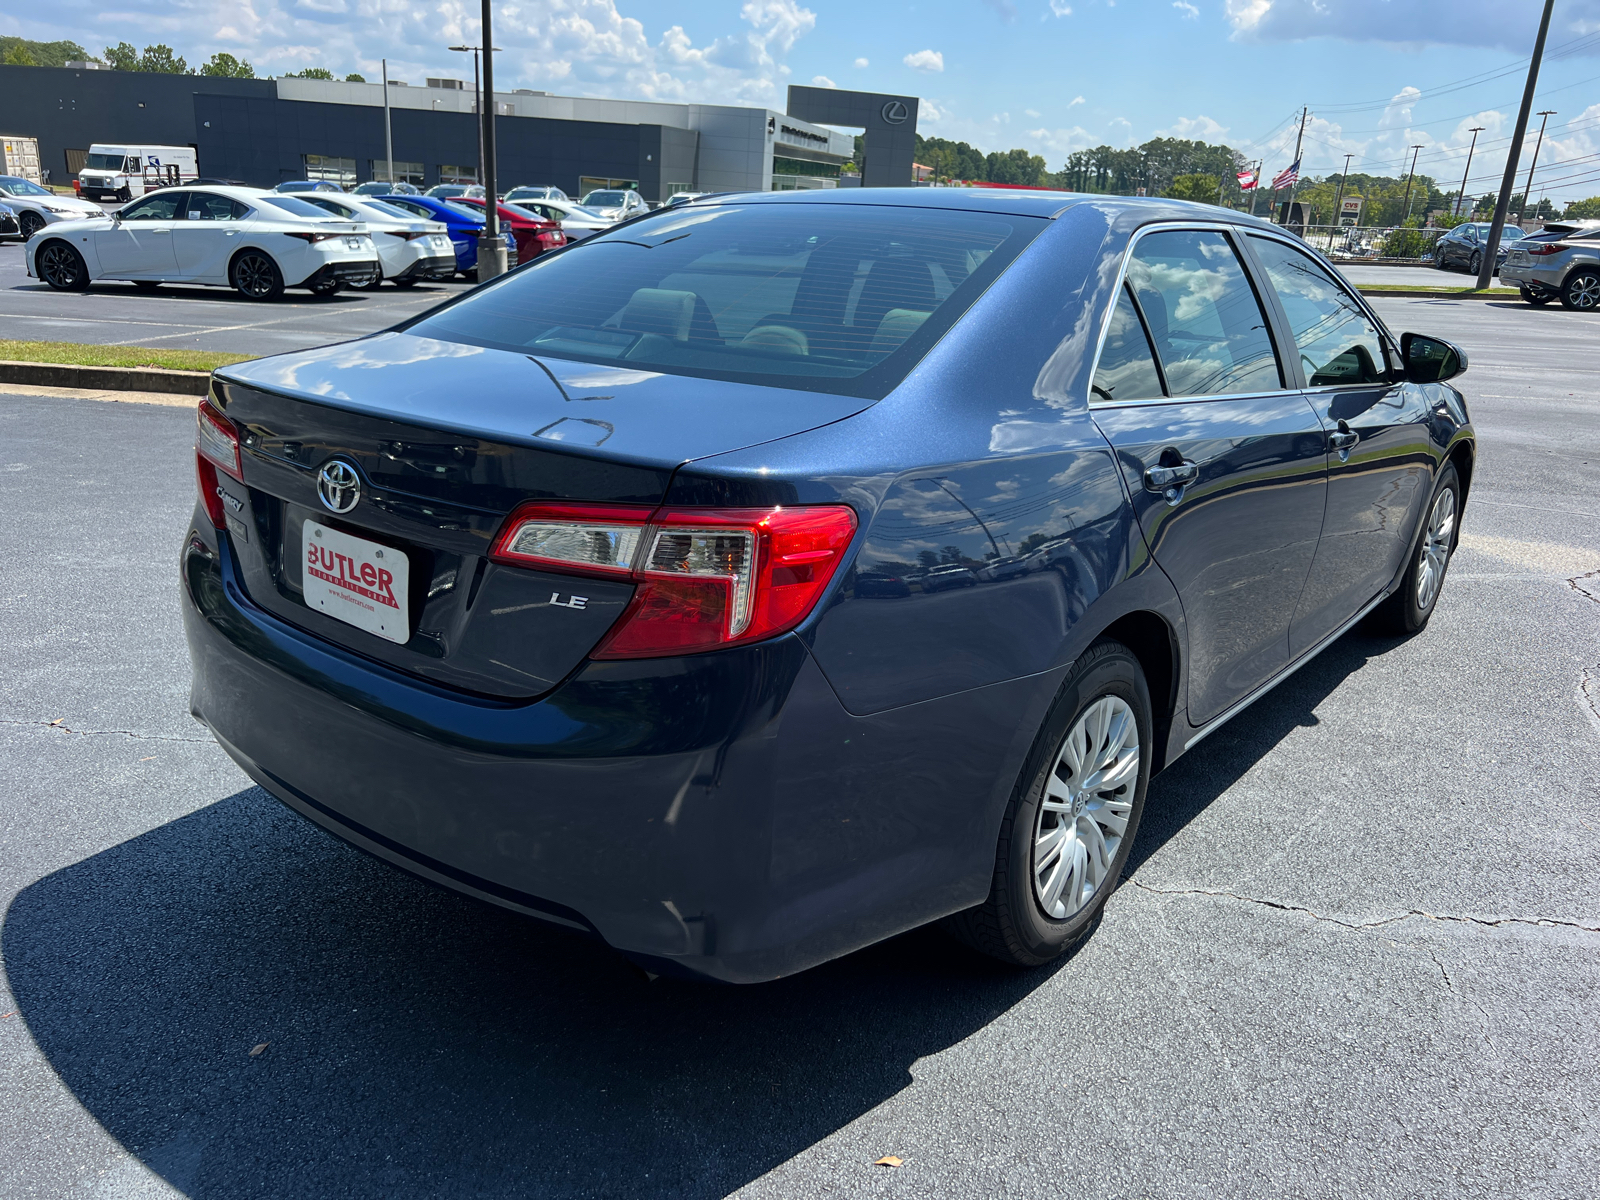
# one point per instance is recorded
(773, 574)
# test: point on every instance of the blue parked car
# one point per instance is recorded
(587, 593)
(463, 230)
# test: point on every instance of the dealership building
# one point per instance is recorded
(264, 131)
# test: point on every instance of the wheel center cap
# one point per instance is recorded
(1079, 803)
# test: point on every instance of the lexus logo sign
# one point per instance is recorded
(895, 112)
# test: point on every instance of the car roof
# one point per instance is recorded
(1041, 203)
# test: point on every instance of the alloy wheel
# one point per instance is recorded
(1584, 291)
(1476, 264)
(1436, 544)
(1083, 814)
(60, 266)
(254, 275)
(30, 223)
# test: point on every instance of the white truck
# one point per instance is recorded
(127, 171)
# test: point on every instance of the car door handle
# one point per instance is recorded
(161, 231)
(1343, 440)
(1163, 479)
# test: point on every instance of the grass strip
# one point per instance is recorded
(83, 354)
(1455, 291)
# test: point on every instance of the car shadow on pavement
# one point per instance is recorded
(1178, 795)
(419, 1043)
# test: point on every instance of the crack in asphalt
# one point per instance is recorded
(142, 737)
(1588, 586)
(1487, 922)
(1455, 990)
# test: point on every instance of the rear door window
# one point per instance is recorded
(1336, 342)
(827, 297)
(205, 206)
(1127, 369)
(1204, 318)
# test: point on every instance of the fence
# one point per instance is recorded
(1372, 243)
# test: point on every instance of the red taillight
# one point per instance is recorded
(1544, 248)
(216, 447)
(706, 578)
(407, 235)
(312, 237)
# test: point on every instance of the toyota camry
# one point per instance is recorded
(767, 576)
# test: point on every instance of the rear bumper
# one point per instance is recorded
(1532, 278)
(719, 815)
(434, 269)
(354, 273)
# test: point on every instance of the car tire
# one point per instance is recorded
(124, 194)
(1409, 609)
(255, 276)
(1537, 299)
(404, 283)
(1475, 263)
(1581, 291)
(1028, 920)
(29, 224)
(61, 266)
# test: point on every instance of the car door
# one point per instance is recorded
(206, 235)
(139, 244)
(1379, 452)
(1225, 462)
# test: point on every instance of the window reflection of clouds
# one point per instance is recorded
(1337, 343)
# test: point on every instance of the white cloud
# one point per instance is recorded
(584, 47)
(1077, 100)
(1060, 142)
(1060, 9)
(1189, 11)
(861, 64)
(925, 60)
(1033, 112)
(816, 81)
(1416, 23)
(1198, 129)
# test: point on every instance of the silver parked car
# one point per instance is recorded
(1567, 269)
(616, 204)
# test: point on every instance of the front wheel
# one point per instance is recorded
(29, 223)
(1475, 264)
(1407, 611)
(1581, 291)
(255, 276)
(62, 267)
(1068, 830)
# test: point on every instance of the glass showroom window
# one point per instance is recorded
(404, 172)
(451, 173)
(335, 170)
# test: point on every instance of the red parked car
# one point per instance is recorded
(533, 236)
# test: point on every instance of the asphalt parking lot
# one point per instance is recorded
(1358, 952)
(198, 318)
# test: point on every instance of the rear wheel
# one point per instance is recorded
(29, 223)
(1581, 291)
(62, 267)
(1534, 298)
(1407, 611)
(1070, 825)
(255, 276)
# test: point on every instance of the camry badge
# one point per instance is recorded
(338, 486)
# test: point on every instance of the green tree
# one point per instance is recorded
(310, 73)
(160, 60)
(354, 78)
(225, 66)
(122, 57)
(21, 52)
(1015, 166)
(1583, 210)
(1194, 187)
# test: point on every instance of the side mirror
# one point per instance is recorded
(1430, 359)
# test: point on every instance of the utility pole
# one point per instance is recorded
(491, 247)
(388, 129)
(1544, 116)
(1338, 203)
(1409, 178)
(1476, 130)
(1298, 142)
(1498, 225)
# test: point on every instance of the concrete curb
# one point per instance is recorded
(1437, 295)
(111, 379)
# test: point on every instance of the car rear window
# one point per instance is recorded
(387, 209)
(824, 297)
(300, 208)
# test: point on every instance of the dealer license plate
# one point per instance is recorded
(356, 581)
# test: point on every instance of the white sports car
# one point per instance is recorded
(37, 207)
(250, 240)
(576, 221)
(410, 250)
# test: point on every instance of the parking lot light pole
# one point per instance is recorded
(1476, 130)
(1409, 177)
(1338, 204)
(1527, 191)
(1503, 204)
(388, 129)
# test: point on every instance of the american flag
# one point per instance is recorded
(1249, 179)
(1288, 177)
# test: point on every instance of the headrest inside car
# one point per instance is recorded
(669, 314)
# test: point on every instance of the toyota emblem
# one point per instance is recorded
(338, 486)
(895, 112)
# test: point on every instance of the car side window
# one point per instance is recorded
(1336, 341)
(160, 207)
(1207, 325)
(204, 206)
(413, 208)
(1127, 368)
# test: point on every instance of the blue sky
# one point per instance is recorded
(1050, 75)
